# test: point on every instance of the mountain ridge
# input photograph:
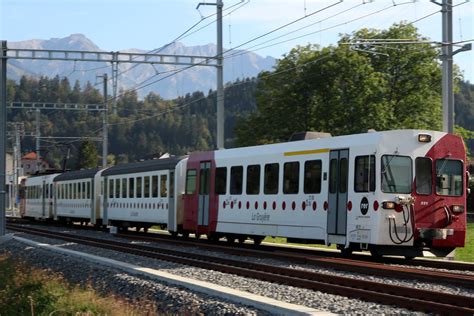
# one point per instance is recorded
(241, 65)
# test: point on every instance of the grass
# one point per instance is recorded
(467, 253)
(28, 291)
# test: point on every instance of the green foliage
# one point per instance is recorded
(27, 291)
(87, 156)
(141, 128)
(342, 90)
(464, 109)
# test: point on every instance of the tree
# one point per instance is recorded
(87, 155)
(342, 90)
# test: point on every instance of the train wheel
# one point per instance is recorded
(346, 252)
(213, 238)
(174, 234)
(185, 235)
(197, 235)
(242, 240)
(375, 253)
(257, 240)
(230, 240)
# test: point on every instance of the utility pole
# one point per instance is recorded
(220, 79)
(3, 133)
(38, 135)
(220, 74)
(105, 124)
(114, 83)
(447, 59)
(447, 64)
(16, 162)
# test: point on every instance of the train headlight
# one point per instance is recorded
(457, 208)
(424, 138)
(388, 205)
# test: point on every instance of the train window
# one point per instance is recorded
(333, 176)
(84, 193)
(236, 175)
(205, 181)
(139, 187)
(117, 188)
(291, 176)
(312, 176)
(146, 186)
(343, 171)
(131, 187)
(51, 191)
(270, 185)
(364, 177)
(423, 175)
(396, 174)
(191, 181)
(88, 190)
(221, 180)
(154, 186)
(74, 190)
(253, 179)
(124, 188)
(111, 188)
(449, 177)
(163, 187)
(171, 184)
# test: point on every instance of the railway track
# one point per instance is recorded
(310, 254)
(415, 299)
(297, 253)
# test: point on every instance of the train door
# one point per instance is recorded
(337, 196)
(204, 190)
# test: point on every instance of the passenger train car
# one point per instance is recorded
(394, 192)
(39, 197)
(77, 196)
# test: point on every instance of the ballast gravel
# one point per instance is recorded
(166, 297)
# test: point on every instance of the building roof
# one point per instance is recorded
(30, 155)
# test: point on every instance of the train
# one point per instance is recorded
(398, 192)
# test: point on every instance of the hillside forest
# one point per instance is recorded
(339, 89)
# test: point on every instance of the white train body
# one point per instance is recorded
(78, 196)
(331, 190)
(139, 194)
(392, 192)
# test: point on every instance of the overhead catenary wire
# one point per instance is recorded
(334, 26)
(141, 86)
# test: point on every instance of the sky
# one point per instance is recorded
(148, 24)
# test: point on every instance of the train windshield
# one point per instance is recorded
(396, 174)
(449, 174)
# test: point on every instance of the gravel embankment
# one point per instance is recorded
(318, 300)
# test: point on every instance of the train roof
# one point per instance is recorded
(78, 174)
(143, 166)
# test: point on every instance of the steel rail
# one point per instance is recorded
(416, 299)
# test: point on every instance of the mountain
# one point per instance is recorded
(241, 65)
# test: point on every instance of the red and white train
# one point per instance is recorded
(393, 192)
